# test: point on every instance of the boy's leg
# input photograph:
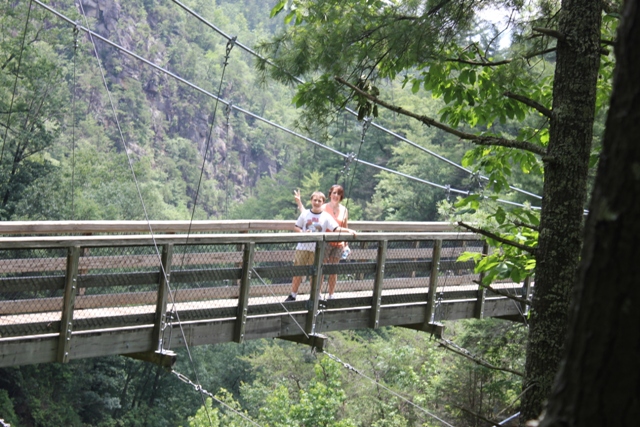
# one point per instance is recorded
(301, 258)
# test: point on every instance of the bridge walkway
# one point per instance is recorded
(64, 297)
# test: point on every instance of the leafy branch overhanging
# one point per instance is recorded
(497, 238)
(473, 138)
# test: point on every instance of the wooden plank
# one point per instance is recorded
(35, 242)
(377, 284)
(9, 307)
(96, 227)
(164, 283)
(43, 349)
(32, 283)
(243, 298)
(70, 290)
(88, 263)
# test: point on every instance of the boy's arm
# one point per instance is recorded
(296, 196)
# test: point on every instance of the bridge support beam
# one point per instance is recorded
(433, 283)
(163, 291)
(316, 341)
(435, 329)
(377, 285)
(70, 287)
(316, 278)
(165, 358)
(243, 298)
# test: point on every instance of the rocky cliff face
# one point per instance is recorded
(174, 109)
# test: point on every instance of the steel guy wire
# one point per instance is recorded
(506, 420)
(15, 82)
(202, 391)
(393, 392)
(257, 117)
(283, 306)
(351, 111)
(163, 270)
(76, 31)
(230, 45)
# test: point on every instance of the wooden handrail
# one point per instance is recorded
(32, 242)
(163, 227)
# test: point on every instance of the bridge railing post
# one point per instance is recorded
(163, 292)
(478, 310)
(243, 297)
(433, 284)
(377, 284)
(314, 294)
(68, 303)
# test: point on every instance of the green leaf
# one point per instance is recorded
(500, 216)
(277, 8)
(289, 17)
(415, 87)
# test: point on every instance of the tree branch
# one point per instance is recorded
(503, 293)
(530, 102)
(525, 225)
(500, 239)
(450, 345)
(485, 63)
(551, 33)
(478, 140)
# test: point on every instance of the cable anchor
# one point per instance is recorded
(230, 44)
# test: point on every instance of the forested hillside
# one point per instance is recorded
(80, 159)
(89, 132)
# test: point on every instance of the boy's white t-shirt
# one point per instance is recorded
(314, 223)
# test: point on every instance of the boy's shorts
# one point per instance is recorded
(303, 257)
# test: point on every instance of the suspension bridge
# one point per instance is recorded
(71, 290)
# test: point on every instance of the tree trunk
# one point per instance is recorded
(598, 383)
(565, 184)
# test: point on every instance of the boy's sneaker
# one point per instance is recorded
(290, 298)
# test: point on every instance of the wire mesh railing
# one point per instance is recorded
(116, 279)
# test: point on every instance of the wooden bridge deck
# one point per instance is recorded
(77, 296)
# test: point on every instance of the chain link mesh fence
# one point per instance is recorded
(118, 285)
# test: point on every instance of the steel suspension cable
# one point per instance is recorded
(351, 111)
(203, 392)
(393, 392)
(230, 44)
(257, 117)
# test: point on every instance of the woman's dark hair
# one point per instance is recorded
(337, 188)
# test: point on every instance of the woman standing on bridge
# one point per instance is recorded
(340, 213)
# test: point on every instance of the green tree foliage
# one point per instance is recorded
(33, 98)
(346, 50)
(293, 387)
